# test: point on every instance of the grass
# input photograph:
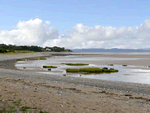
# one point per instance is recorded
(92, 70)
(17, 102)
(49, 67)
(41, 58)
(12, 109)
(43, 112)
(18, 52)
(124, 65)
(25, 108)
(76, 64)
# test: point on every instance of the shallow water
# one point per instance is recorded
(126, 74)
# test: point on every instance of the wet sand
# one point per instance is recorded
(56, 94)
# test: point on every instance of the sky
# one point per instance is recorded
(76, 23)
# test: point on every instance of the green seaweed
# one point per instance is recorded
(49, 67)
(76, 64)
(42, 58)
(110, 64)
(92, 70)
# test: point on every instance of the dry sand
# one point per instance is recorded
(56, 94)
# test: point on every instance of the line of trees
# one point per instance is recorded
(11, 48)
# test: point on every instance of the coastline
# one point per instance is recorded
(79, 86)
(10, 64)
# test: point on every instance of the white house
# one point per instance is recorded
(47, 49)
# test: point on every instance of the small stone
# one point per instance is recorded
(24, 67)
(64, 74)
(35, 108)
(49, 69)
(24, 87)
(128, 95)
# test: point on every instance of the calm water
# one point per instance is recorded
(126, 74)
(134, 53)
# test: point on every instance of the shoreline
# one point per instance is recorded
(105, 84)
(61, 94)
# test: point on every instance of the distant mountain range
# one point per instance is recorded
(110, 50)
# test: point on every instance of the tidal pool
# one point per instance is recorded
(131, 73)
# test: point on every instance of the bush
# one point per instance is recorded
(124, 65)
(3, 50)
(49, 67)
(11, 50)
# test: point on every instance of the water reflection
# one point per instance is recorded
(125, 74)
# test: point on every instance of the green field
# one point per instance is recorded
(17, 52)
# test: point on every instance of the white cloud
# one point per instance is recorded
(37, 32)
(32, 32)
(110, 37)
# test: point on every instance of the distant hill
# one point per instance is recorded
(110, 50)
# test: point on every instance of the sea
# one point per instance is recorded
(130, 73)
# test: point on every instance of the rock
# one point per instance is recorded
(24, 67)
(24, 87)
(35, 108)
(128, 95)
(64, 74)
(49, 69)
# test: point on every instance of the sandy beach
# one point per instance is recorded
(63, 94)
